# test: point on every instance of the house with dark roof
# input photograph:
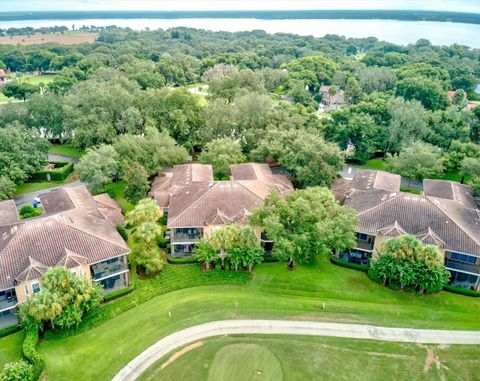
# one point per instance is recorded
(76, 230)
(197, 204)
(445, 215)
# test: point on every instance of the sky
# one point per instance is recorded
(62, 5)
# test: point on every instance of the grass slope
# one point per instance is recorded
(274, 293)
(319, 358)
(117, 192)
(66, 150)
(11, 348)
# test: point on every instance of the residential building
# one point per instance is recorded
(331, 102)
(76, 231)
(197, 205)
(445, 215)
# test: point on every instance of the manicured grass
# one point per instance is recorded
(37, 79)
(380, 165)
(11, 348)
(317, 358)
(4, 98)
(375, 164)
(34, 187)
(408, 190)
(273, 293)
(117, 192)
(66, 150)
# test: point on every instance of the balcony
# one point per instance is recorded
(107, 268)
(182, 250)
(9, 303)
(364, 245)
(186, 235)
(461, 266)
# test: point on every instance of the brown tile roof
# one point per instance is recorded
(449, 219)
(222, 202)
(83, 234)
(56, 201)
(105, 201)
(8, 213)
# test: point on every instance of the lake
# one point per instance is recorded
(398, 32)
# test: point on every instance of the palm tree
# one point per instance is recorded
(204, 252)
(146, 210)
(45, 306)
(147, 233)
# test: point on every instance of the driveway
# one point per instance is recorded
(27, 198)
(311, 328)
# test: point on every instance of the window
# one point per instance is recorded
(463, 257)
(36, 287)
(26, 290)
(362, 236)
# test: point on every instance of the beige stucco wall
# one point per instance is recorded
(22, 288)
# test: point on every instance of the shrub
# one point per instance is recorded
(122, 231)
(163, 220)
(30, 352)
(59, 173)
(349, 265)
(161, 241)
(462, 291)
(28, 211)
(181, 261)
(118, 294)
(17, 371)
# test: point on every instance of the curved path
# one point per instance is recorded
(284, 327)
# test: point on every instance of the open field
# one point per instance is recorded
(36, 186)
(64, 39)
(35, 79)
(273, 293)
(254, 357)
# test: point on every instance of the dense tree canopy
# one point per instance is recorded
(305, 223)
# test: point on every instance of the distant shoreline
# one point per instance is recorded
(403, 15)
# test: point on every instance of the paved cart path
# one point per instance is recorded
(310, 328)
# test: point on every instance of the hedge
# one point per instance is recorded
(59, 173)
(30, 352)
(181, 261)
(349, 265)
(9, 330)
(118, 294)
(170, 279)
(462, 291)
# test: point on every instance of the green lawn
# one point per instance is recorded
(274, 292)
(37, 79)
(11, 348)
(4, 98)
(66, 150)
(34, 187)
(258, 357)
(380, 165)
(117, 191)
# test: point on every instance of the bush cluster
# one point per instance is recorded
(59, 173)
(181, 261)
(462, 291)
(349, 265)
(30, 352)
(28, 211)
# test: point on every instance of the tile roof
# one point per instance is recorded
(446, 215)
(220, 202)
(82, 234)
(8, 213)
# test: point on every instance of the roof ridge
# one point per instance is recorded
(86, 232)
(382, 203)
(452, 219)
(195, 202)
(252, 192)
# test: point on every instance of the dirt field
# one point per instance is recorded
(65, 39)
